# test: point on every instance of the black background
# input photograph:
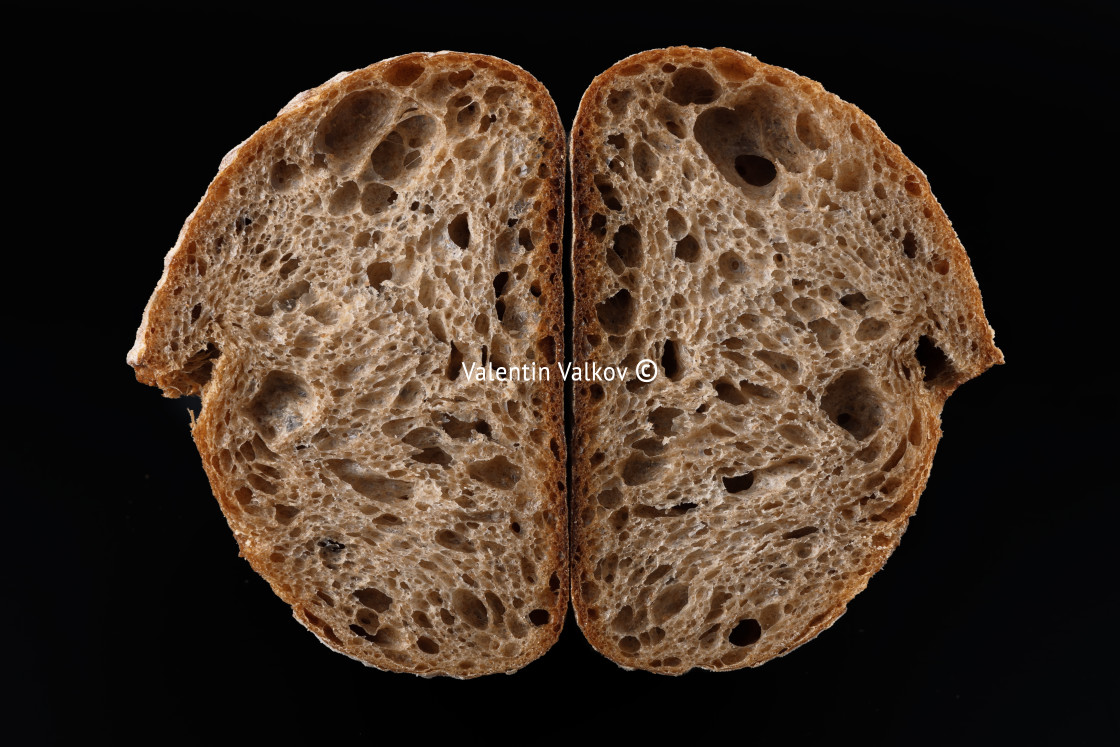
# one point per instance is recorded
(131, 613)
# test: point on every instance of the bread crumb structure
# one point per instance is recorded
(811, 309)
(387, 228)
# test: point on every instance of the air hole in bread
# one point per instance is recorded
(757, 391)
(361, 632)
(804, 236)
(492, 94)
(458, 230)
(617, 101)
(598, 225)
(285, 176)
(453, 541)
(910, 245)
(432, 455)
(871, 329)
(373, 598)
(281, 405)
(546, 346)
(938, 369)
(851, 176)
(625, 621)
(198, 369)
(377, 273)
(670, 119)
(500, 281)
(795, 434)
(688, 250)
(417, 131)
(539, 617)
(755, 170)
(469, 150)
(669, 602)
(608, 193)
(610, 498)
(854, 402)
(616, 314)
(377, 197)
(646, 161)
(629, 645)
(739, 483)
(670, 361)
(640, 469)
(676, 223)
(662, 420)
(896, 457)
(351, 124)
(388, 158)
(285, 514)
(626, 248)
(460, 78)
(915, 433)
(525, 239)
(728, 392)
(462, 429)
(745, 633)
(467, 116)
(732, 65)
(498, 473)
(784, 365)
(732, 268)
(454, 362)
(809, 131)
(806, 308)
(290, 264)
(344, 199)
(739, 140)
(692, 86)
(856, 302)
(369, 484)
(262, 485)
(403, 73)
(470, 608)
(650, 446)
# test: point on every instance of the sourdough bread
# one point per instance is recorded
(811, 309)
(349, 258)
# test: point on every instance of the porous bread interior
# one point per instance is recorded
(390, 226)
(810, 308)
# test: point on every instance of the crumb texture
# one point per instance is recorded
(811, 309)
(387, 228)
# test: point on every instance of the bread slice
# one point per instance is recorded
(810, 309)
(387, 230)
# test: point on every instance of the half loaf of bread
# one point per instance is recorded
(349, 262)
(810, 309)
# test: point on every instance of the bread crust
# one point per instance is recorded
(157, 362)
(590, 275)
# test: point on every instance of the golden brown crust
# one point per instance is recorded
(159, 360)
(590, 276)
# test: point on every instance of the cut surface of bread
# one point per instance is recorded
(386, 230)
(810, 309)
